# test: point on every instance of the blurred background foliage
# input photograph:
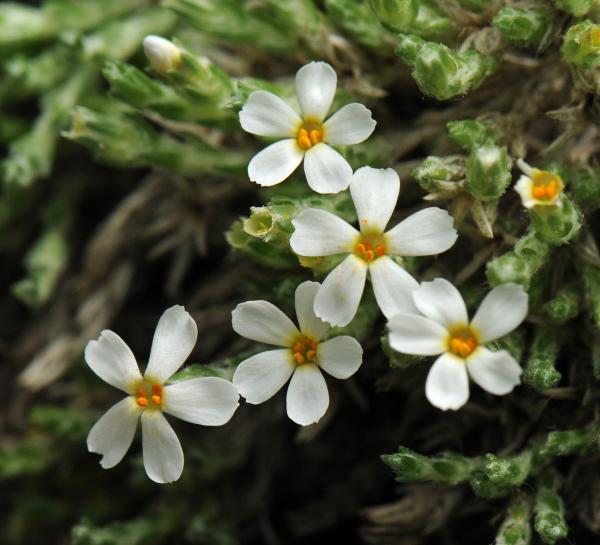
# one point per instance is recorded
(119, 180)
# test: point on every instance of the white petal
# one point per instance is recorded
(266, 114)
(375, 193)
(307, 396)
(174, 340)
(163, 457)
(341, 356)
(427, 232)
(524, 187)
(209, 401)
(501, 312)
(112, 435)
(447, 384)
(351, 124)
(496, 372)
(112, 360)
(341, 292)
(326, 170)
(393, 287)
(309, 323)
(319, 233)
(315, 89)
(263, 322)
(414, 334)
(275, 163)
(440, 301)
(261, 376)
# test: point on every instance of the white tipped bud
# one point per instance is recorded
(162, 54)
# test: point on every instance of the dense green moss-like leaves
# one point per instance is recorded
(540, 371)
(549, 509)
(519, 265)
(442, 72)
(516, 526)
(524, 25)
(448, 467)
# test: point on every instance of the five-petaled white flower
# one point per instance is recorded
(301, 357)
(539, 187)
(319, 233)
(444, 328)
(210, 401)
(308, 136)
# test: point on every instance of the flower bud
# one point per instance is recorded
(259, 250)
(162, 54)
(581, 45)
(488, 172)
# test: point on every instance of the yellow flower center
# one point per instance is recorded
(309, 135)
(546, 185)
(305, 351)
(462, 342)
(149, 396)
(370, 247)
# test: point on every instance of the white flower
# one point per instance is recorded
(539, 187)
(302, 356)
(445, 329)
(320, 233)
(306, 136)
(209, 401)
(162, 54)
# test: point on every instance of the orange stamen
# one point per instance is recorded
(142, 401)
(311, 136)
(380, 250)
(304, 350)
(463, 343)
(156, 389)
(156, 399)
(315, 137)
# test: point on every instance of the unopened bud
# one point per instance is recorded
(162, 54)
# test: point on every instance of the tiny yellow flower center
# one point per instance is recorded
(149, 395)
(370, 247)
(309, 135)
(462, 342)
(305, 351)
(546, 186)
